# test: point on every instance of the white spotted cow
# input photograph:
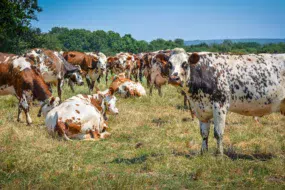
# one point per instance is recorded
(251, 85)
(55, 68)
(82, 117)
(126, 87)
(18, 77)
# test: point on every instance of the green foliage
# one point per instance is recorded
(15, 31)
(17, 35)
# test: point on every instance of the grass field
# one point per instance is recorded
(154, 145)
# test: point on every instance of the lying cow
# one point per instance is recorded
(54, 68)
(126, 87)
(82, 117)
(18, 77)
(251, 85)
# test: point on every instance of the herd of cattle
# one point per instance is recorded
(212, 84)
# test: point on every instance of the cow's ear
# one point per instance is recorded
(194, 58)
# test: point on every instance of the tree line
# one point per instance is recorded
(17, 35)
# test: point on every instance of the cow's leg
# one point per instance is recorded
(88, 81)
(71, 84)
(24, 105)
(59, 87)
(159, 91)
(219, 113)
(20, 109)
(204, 131)
(99, 78)
(282, 107)
(106, 78)
(140, 74)
(49, 87)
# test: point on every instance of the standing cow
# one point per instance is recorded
(89, 64)
(251, 85)
(54, 68)
(18, 77)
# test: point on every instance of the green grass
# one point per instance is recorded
(154, 145)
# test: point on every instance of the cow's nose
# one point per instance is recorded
(175, 74)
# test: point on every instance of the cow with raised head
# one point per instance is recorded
(251, 85)
(121, 62)
(101, 64)
(55, 68)
(88, 63)
(18, 77)
(82, 117)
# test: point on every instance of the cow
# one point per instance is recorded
(178, 60)
(101, 64)
(250, 85)
(82, 117)
(146, 66)
(121, 62)
(18, 77)
(126, 87)
(88, 63)
(159, 72)
(55, 68)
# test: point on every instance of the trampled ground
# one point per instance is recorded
(154, 144)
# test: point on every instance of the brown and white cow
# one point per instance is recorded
(82, 117)
(18, 77)
(159, 72)
(126, 87)
(121, 62)
(251, 85)
(88, 63)
(55, 68)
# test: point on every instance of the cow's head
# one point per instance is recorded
(75, 75)
(180, 71)
(110, 102)
(48, 105)
(163, 61)
(102, 61)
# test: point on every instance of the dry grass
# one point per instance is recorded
(154, 144)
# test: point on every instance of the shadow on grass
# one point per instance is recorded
(159, 121)
(189, 155)
(182, 107)
(129, 161)
(256, 156)
(135, 160)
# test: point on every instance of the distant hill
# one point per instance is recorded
(219, 41)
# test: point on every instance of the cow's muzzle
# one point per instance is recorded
(81, 83)
(175, 80)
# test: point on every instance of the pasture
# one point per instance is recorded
(154, 145)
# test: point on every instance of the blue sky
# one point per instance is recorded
(169, 19)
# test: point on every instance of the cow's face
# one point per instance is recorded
(102, 64)
(110, 101)
(76, 78)
(180, 71)
(48, 105)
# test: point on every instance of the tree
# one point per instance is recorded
(16, 16)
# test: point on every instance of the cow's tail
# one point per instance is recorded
(59, 128)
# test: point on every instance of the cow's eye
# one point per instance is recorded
(170, 65)
(184, 65)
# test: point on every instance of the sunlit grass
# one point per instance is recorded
(154, 144)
